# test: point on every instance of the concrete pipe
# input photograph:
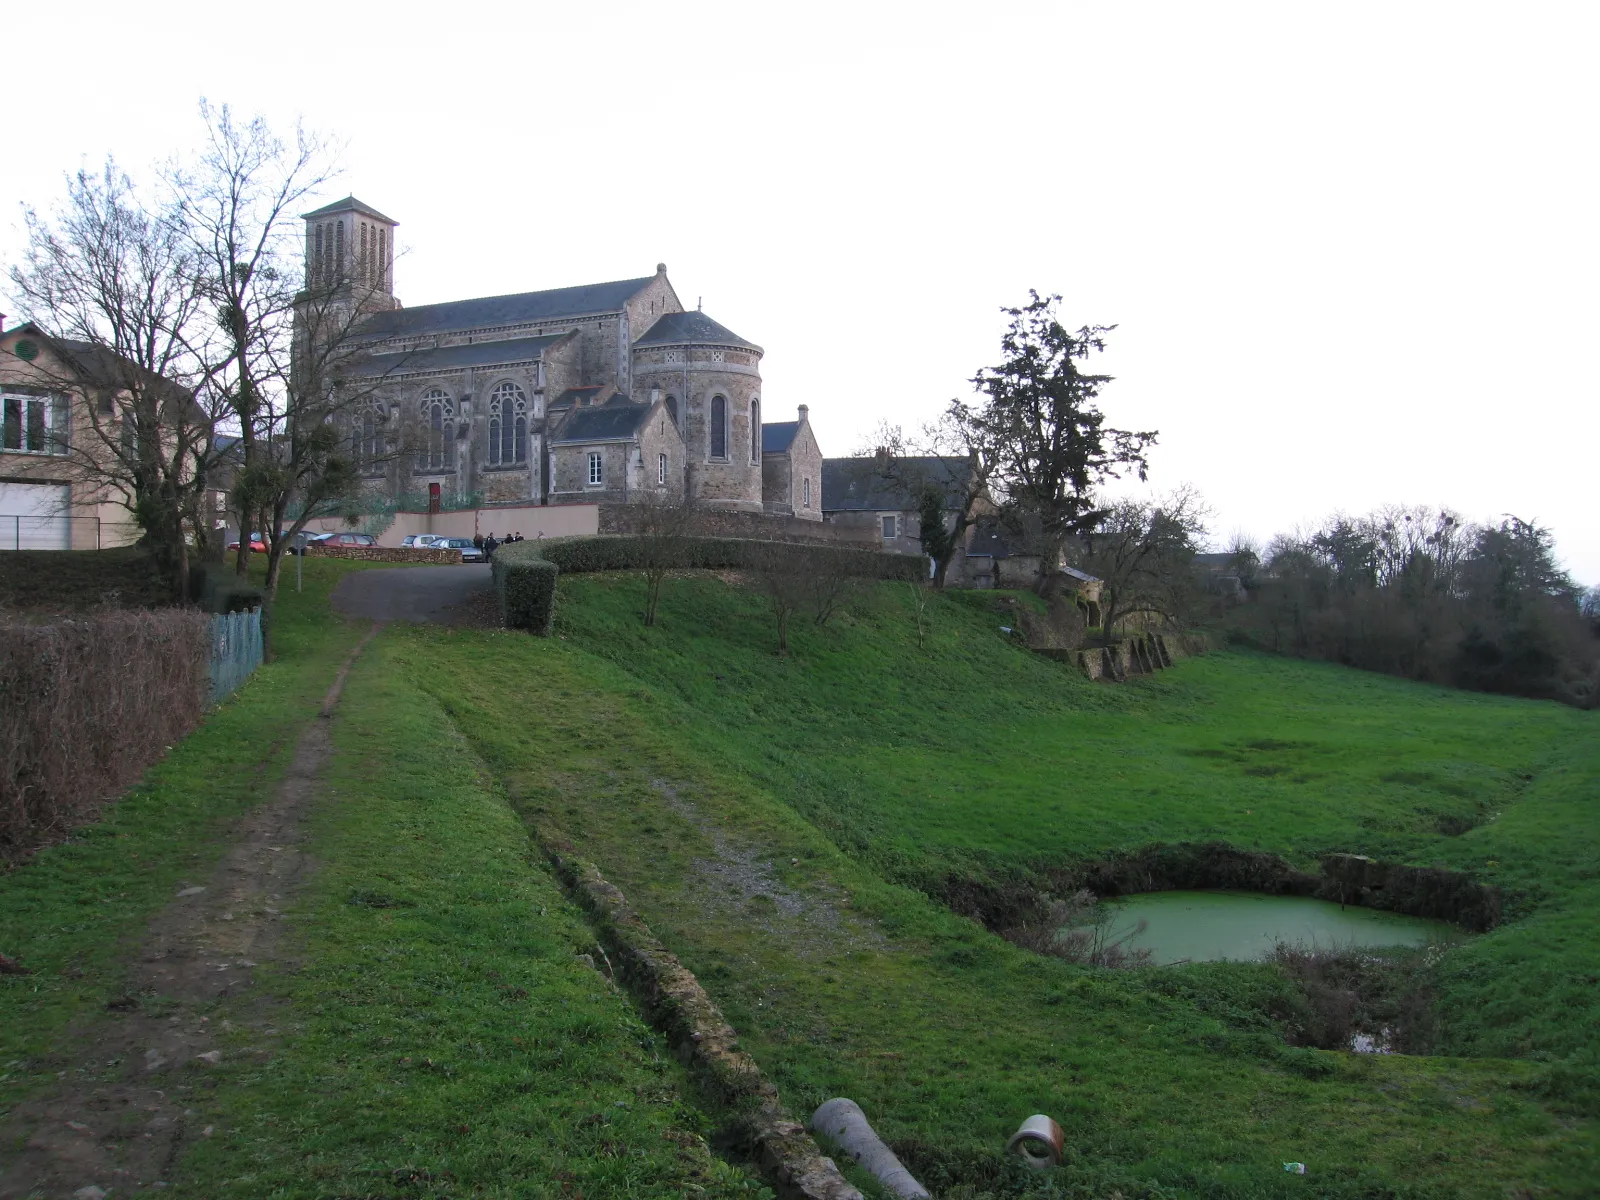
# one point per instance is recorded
(843, 1122)
(1039, 1141)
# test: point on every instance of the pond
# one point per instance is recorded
(1207, 926)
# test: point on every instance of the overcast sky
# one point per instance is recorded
(1351, 249)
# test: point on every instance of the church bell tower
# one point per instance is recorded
(350, 247)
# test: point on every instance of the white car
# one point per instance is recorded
(420, 541)
(469, 552)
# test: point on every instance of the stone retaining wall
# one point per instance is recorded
(417, 558)
(623, 518)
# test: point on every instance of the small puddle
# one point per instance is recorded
(1210, 926)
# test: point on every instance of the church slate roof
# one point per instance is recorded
(692, 328)
(860, 484)
(454, 358)
(615, 422)
(455, 316)
(776, 436)
(345, 205)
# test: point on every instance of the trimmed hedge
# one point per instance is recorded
(525, 573)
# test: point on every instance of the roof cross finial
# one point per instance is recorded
(698, 306)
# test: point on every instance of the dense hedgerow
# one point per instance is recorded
(86, 704)
(525, 573)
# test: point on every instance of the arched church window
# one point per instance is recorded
(438, 431)
(366, 439)
(807, 488)
(508, 424)
(719, 427)
(755, 430)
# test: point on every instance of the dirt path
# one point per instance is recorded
(422, 595)
(122, 1113)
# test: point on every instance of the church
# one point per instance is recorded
(606, 393)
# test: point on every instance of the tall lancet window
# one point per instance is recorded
(316, 256)
(755, 430)
(438, 432)
(719, 427)
(383, 259)
(361, 259)
(508, 425)
(338, 251)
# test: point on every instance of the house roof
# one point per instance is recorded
(777, 436)
(95, 365)
(692, 328)
(454, 358)
(615, 421)
(587, 300)
(346, 205)
(866, 485)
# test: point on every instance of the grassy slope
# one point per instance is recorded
(982, 758)
(440, 1030)
(681, 784)
(72, 911)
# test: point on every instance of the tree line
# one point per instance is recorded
(1425, 594)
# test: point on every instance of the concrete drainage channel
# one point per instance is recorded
(697, 1031)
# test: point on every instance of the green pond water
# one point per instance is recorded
(1207, 926)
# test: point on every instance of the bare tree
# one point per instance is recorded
(1144, 554)
(114, 280)
(661, 521)
(290, 362)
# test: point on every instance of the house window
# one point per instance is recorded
(890, 530)
(661, 469)
(596, 470)
(438, 431)
(805, 488)
(755, 430)
(508, 425)
(719, 427)
(35, 424)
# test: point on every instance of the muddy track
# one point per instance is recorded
(126, 1105)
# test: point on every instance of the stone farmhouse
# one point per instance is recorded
(608, 393)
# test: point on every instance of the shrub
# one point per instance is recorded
(526, 588)
(527, 596)
(85, 706)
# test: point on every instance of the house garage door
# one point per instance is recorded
(33, 516)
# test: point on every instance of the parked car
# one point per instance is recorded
(258, 543)
(420, 541)
(469, 552)
(339, 539)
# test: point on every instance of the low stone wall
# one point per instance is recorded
(705, 522)
(417, 558)
(700, 1034)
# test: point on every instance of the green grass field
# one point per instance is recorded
(786, 826)
(684, 758)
